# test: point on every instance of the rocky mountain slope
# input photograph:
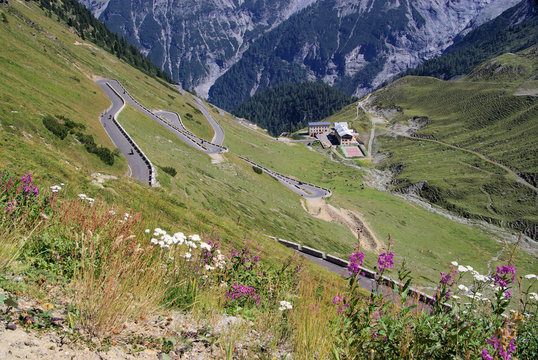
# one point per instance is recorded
(353, 44)
(195, 41)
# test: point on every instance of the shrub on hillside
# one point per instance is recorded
(169, 170)
(55, 127)
(257, 170)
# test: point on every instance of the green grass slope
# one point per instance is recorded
(56, 70)
(474, 127)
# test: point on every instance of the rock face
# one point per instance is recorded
(195, 41)
(352, 44)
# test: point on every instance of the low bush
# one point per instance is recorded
(257, 170)
(169, 170)
(55, 127)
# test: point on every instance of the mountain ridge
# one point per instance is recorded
(205, 40)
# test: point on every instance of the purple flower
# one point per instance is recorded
(385, 261)
(485, 355)
(341, 303)
(355, 260)
(507, 294)
(504, 275)
(239, 291)
(497, 345)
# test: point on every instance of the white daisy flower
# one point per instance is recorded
(530, 276)
(455, 263)
(462, 268)
(463, 288)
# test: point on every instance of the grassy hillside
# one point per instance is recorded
(423, 238)
(98, 265)
(228, 197)
(489, 115)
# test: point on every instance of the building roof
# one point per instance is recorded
(319, 124)
(342, 129)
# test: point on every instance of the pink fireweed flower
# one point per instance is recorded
(239, 291)
(485, 355)
(341, 303)
(355, 260)
(385, 261)
(505, 274)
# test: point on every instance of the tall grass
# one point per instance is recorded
(312, 319)
(118, 280)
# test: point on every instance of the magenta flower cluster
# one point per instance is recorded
(209, 255)
(446, 282)
(244, 257)
(385, 261)
(240, 291)
(505, 274)
(341, 303)
(28, 188)
(497, 345)
(355, 260)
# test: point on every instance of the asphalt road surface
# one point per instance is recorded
(305, 190)
(139, 165)
(218, 138)
(171, 121)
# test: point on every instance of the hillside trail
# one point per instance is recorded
(319, 209)
(375, 119)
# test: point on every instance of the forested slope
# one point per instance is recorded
(289, 107)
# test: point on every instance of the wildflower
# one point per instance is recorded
(530, 276)
(112, 212)
(463, 288)
(341, 303)
(455, 297)
(355, 260)
(209, 267)
(239, 291)
(385, 261)
(507, 294)
(502, 276)
(191, 244)
(194, 237)
(154, 241)
(284, 305)
(454, 263)
(205, 246)
(55, 188)
(187, 255)
(462, 268)
(533, 296)
(147, 231)
(481, 278)
(485, 355)
(223, 284)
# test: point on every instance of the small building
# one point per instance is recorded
(344, 135)
(315, 128)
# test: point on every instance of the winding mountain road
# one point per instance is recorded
(172, 121)
(139, 164)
